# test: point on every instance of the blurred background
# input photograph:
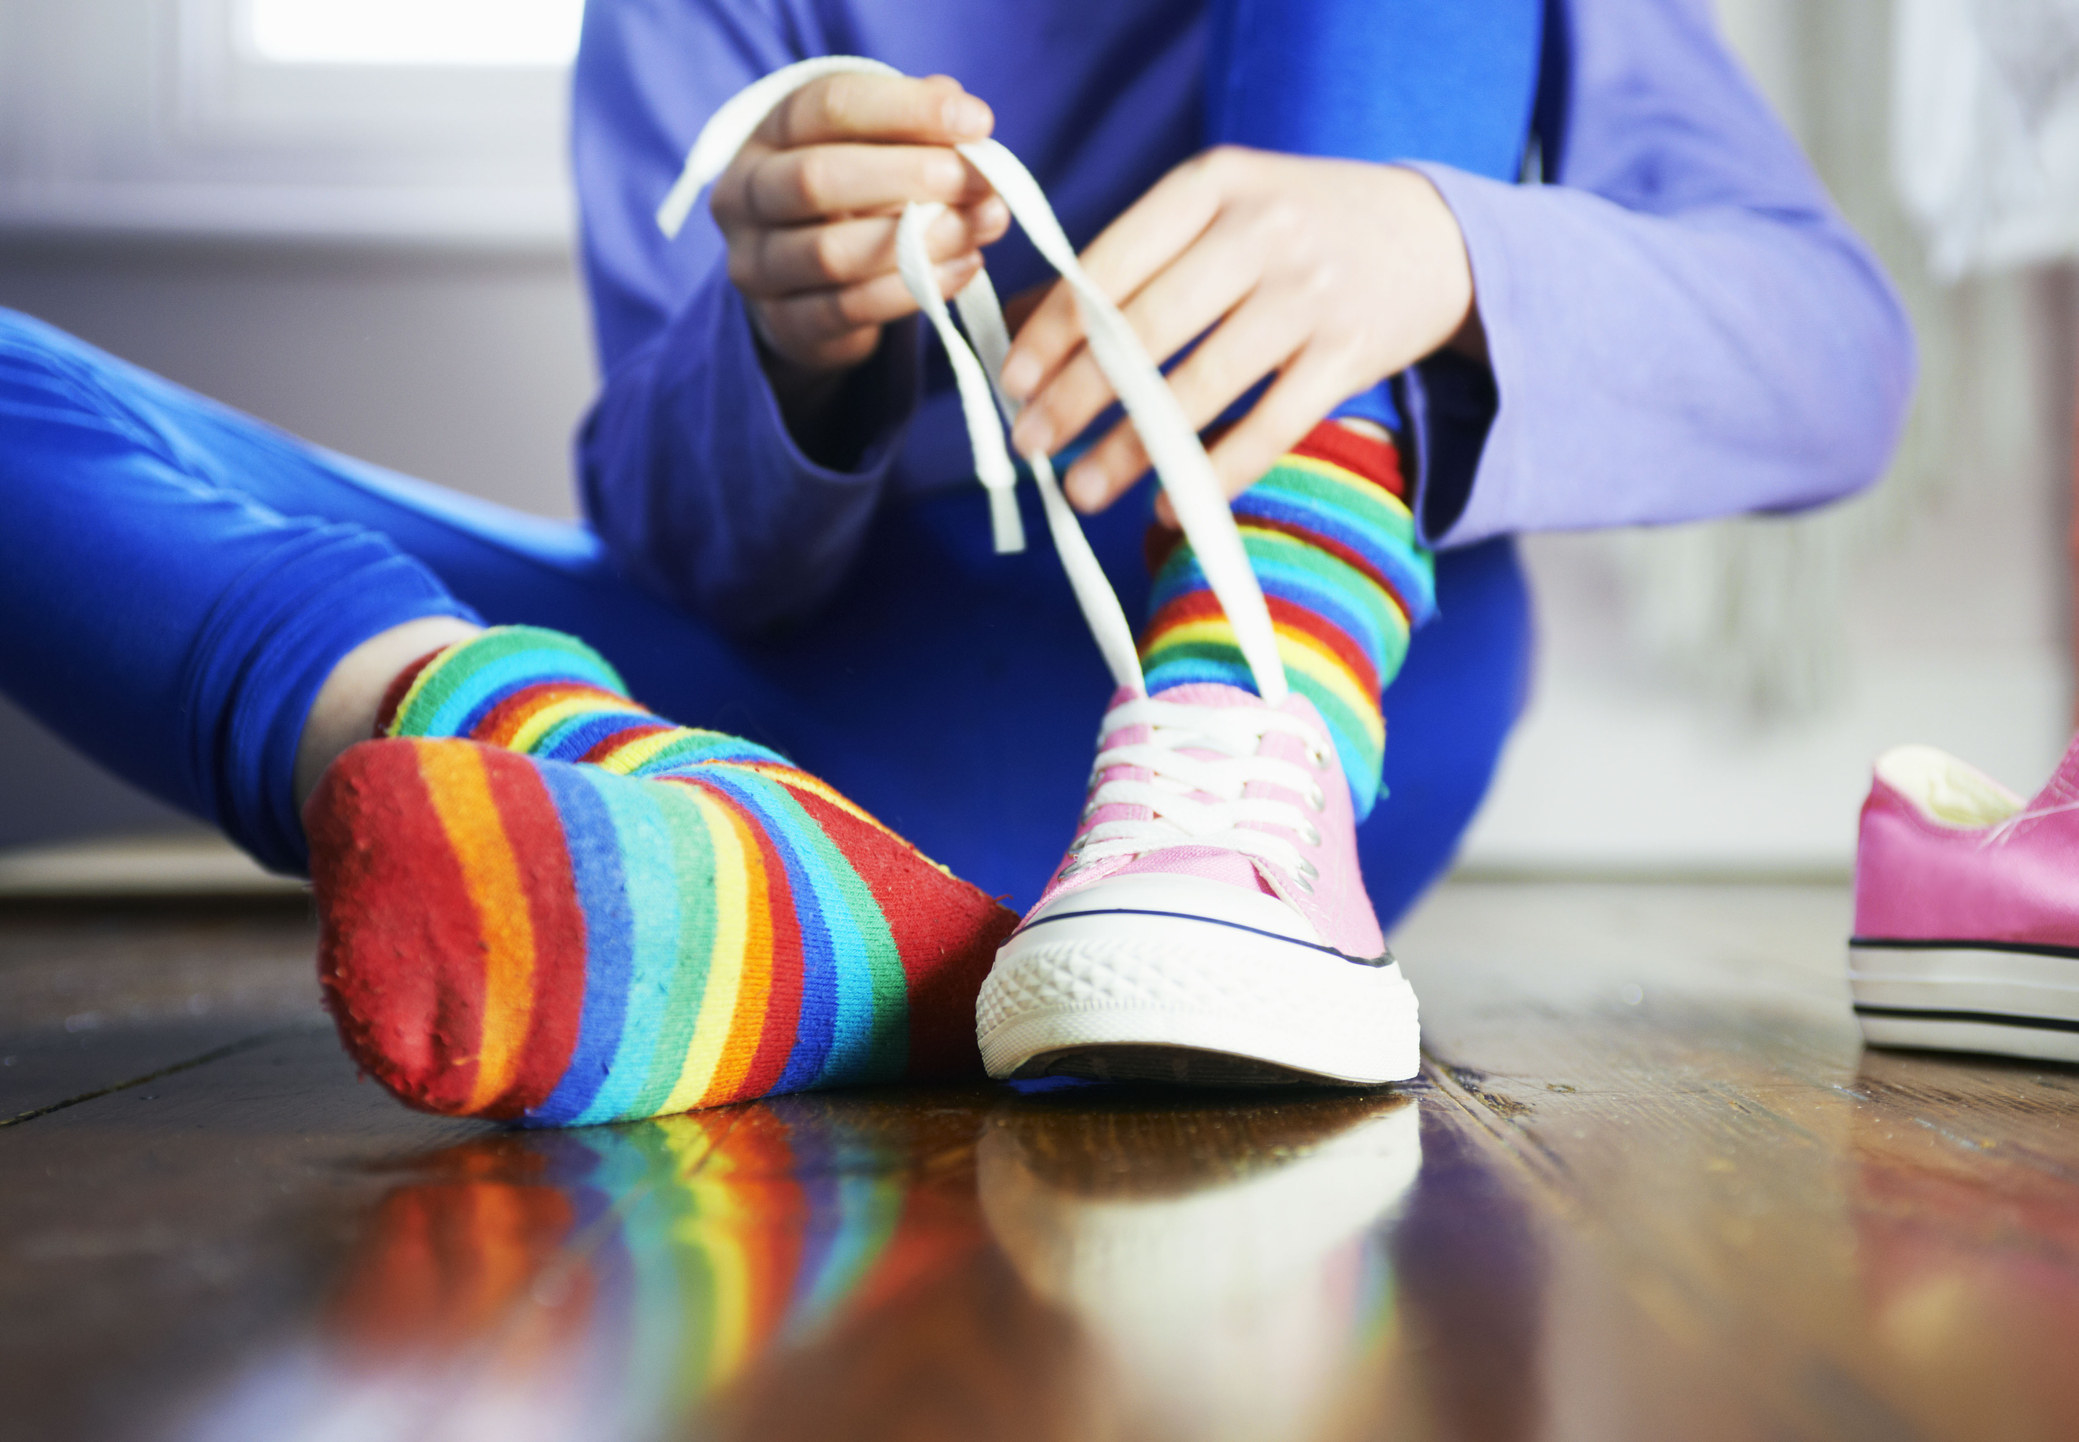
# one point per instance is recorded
(349, 217)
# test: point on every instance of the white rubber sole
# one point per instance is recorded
(1144, 995)
(2006, 1001)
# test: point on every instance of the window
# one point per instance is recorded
(412, 32)
(420, 121)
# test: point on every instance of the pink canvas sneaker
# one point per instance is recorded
(1208, 924)
(1967, 910)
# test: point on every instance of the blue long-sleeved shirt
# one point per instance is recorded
(1679, 324)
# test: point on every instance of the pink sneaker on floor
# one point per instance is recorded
(1967, 910)
(1209, 924)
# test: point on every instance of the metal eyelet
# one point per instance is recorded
(1308, 871)
(1309, 835)
(1317, 799)
(1319, 756)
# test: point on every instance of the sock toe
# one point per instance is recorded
(396, 919)
(526, 939)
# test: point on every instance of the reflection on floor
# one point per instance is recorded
(1647, 1187)
(842, 1267)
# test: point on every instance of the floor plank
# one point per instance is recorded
(99, 995)
(166, 1231)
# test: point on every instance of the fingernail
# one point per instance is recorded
(1033, 435)
(967, 117)
(1020, 375)
(1085, 486)
(956, 271)
(991, 213)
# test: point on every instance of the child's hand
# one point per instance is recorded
(810, 205)
(1329, 274)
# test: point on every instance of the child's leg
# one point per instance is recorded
(1209, 921)
(506, 933)
(1333, 543)
(936, 662)
(1381, 80)
(1329, 527)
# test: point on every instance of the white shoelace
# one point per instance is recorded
(1176, 790)
(1179, 460)
(1999, 834)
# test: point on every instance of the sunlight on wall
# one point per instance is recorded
(413, 32)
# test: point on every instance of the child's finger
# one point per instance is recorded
(791, 259)
(1260, 336)
(812, 320)
(879, 108)
(1178, 304)
(790, 187)
(1158, 228)
(1304, 392)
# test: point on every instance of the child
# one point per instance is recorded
(522, 920)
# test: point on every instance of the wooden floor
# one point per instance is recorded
(1648, 1187)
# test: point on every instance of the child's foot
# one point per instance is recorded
(1209, 924)
(602, 916)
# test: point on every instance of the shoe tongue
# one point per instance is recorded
(1212, 696)
(1204, 862)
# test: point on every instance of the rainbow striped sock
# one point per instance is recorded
(542, 903)
(1332, 540)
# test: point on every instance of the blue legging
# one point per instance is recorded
(177, 580)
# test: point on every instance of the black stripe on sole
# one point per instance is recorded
(2020, 948)
(1985, 1018)
(1383, 959)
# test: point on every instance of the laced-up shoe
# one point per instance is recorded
(1967, 910)
(1208, 924)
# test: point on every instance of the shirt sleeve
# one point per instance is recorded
(686, 467)
(1682, 326)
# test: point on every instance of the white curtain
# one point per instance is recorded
(1985, 126)
(1749, 614)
